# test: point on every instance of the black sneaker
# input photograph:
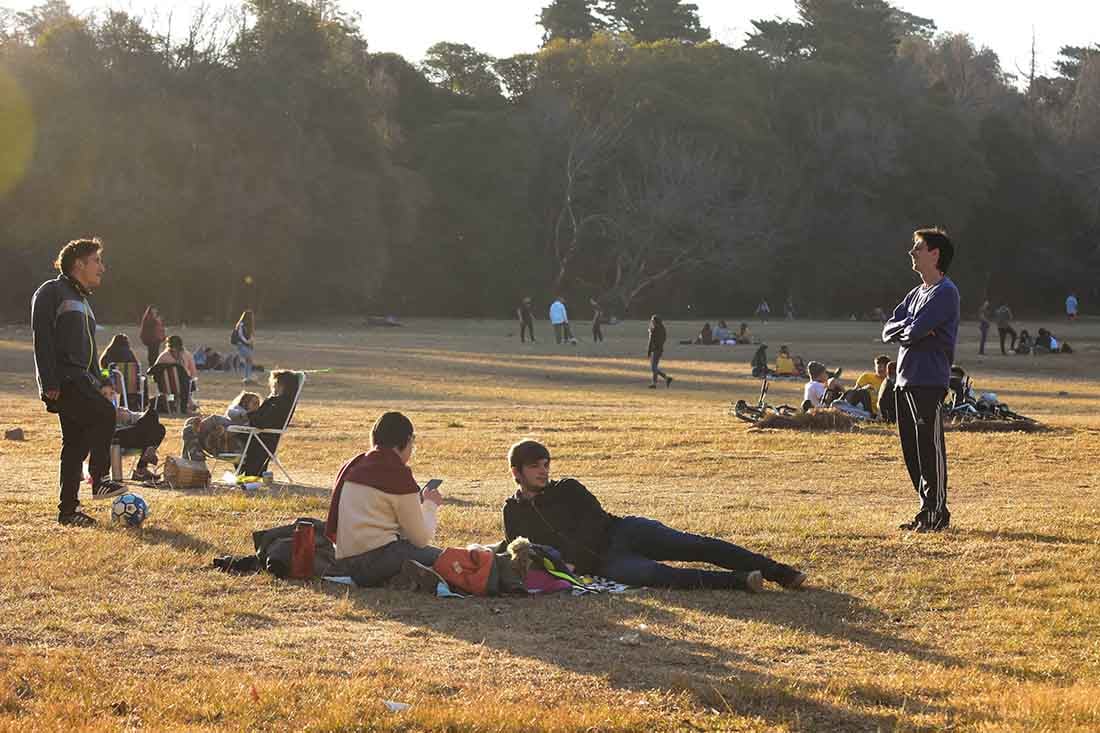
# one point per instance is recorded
(76, 519)
(653, 386)
(108, 489)
(416, 577)
(144, 475)
(668, 382)
(786, 576)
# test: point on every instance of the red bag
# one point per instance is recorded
(466, 570)
(302, 551)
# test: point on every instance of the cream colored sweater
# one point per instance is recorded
(371, 518)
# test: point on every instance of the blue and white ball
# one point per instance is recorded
(129, 509)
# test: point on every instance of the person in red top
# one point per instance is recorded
(152, 333)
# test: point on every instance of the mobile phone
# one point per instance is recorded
(432, 484)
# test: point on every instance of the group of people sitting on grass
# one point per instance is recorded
(721, 334)
(383, 526)
(872, 394)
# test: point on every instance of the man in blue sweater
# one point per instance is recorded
(67, 369)
(926, 325)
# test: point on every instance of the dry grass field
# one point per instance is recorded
(993, 625)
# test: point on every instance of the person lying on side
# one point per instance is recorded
(631, 550)
(378, 518)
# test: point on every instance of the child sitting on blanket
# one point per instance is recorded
(209, 434)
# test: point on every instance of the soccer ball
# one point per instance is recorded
(129, 509)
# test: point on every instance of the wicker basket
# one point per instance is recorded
(181, 473)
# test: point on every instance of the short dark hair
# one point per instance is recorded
(882, 359)
(936, 238)
(75, 250)
(526, 453)
(391, 430)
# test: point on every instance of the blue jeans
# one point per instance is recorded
(246, 359)
(638, 543)
(655, 366)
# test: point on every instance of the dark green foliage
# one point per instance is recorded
(628, 159)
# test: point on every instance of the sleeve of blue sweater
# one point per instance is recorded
(898, 322)
(935, 313)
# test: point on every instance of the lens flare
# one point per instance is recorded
(16, 132)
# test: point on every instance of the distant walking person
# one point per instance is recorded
(788, 308)
(1071, 306)
(983, 326)
(926, 325)
(597, 321)
(559, 319)
(656, 349)
(1003, 316)
(763, 311)
(69, 379)
(526, 320)
(243, 337)
(152, 333)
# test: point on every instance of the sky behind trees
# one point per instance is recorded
(506, 27)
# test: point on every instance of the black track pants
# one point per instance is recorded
(920, 428)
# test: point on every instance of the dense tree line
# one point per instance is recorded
(267, 158)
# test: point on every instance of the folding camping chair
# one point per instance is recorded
(129, 382)
(255, 435)
(173, 387)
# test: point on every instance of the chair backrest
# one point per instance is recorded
(170, 380)
(297, 396)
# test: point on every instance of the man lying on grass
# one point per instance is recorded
(563, 514)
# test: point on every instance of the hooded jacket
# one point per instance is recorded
(64, 334)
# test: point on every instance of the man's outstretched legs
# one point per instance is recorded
(638, 544)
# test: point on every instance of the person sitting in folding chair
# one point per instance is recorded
(176, 354)
(136, 431)
(173, 388)
(269, 422)
(120, 357)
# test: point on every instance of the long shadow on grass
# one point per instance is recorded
(830, 614)
(175, 538)
(1010, 536)
(592, 636)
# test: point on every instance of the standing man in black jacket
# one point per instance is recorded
(69, 380)
(564, 515)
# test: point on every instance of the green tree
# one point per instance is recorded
(656, 20)
(461, 69)
(569, 20)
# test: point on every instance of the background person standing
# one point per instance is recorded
(926, 325)
(69, 380)
(152, 333)
(983, 326)
(1071, 306)
(1003, 315)
(243, 337)
(656, 349)
(597, 321)
(526, 320)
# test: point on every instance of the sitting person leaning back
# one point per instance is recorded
(377, 517)
(564, 515)
(136, 431)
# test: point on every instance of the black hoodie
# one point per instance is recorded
(565, 516)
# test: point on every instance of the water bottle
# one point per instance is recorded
(116, 461)
(267, 478)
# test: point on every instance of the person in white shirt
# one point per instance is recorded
(559, 319)
(1071, 307)
(814, 391)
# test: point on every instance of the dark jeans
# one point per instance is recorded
(983, 328)
(528, 328)
(87, 424)
(597, 332)
(145, 433)
(920, 429)
(562, 332)
(377, 566)
(637, 544)
(655, 366)
(1003, 331)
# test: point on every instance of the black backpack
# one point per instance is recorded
(234, 338)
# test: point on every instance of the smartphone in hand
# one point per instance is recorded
(434, 483)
